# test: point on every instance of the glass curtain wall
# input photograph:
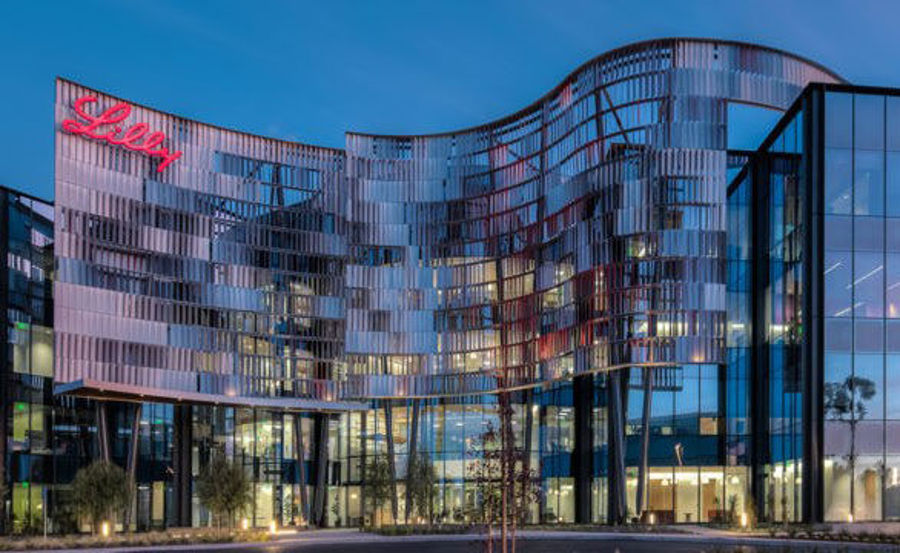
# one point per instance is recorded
(862, 306)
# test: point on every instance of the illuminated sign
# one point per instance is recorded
(103, 127)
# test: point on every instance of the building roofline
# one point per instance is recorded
(609, 54)
(619, 51)
(26, 194)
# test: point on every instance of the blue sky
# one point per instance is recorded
(308, 71)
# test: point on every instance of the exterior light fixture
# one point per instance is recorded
(104, 529)
(272, 527)
(652, 518)
(245, 524)
(850, 518)
(744, 520)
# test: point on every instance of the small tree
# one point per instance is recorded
(99, 491)
(378, 483)
(487, 472)
(421, 479)
(506, 486)
(224, 489)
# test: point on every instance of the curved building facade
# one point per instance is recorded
(393, 287)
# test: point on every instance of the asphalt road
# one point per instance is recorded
(537, 546)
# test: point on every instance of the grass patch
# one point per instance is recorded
(182, 536)
(422, 529)
(425, 529)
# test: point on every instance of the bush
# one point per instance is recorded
(224, 489)
(99, 491)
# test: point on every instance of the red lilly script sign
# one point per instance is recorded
(103, 127)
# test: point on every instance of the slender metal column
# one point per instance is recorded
(413, 452)
(583, 454)
(299, 444)
(759, 358)
(529, 425)
(813, 298)
(389, 435)
(618, 500)
(321, 490)
(133, 450)
(181, 459)
(645, 441)
(102, 432)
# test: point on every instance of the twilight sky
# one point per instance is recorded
(308, 71)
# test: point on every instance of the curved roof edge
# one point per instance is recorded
(499, 121)
(608, 54)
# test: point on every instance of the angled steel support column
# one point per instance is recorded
(643, 469)
(618, 500)
(181, 459)
(583, 454)
(131, 512)
(321, 464)
(392, 463)
(413, 452)
(102, 432)
(299, 444)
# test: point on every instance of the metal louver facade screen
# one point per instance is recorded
(583, 233)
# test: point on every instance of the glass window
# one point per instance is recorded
(838, 335)
(867, 488)
(838, 232)
(749, 125)
(892, 387)
(869, 183)
(892, 190)
(837, 289)
(838, 379)
(868, 233)
(869, 336)
(892, 285)
(837, 488)
(892, 487)
(868, 284)
(868, 125)
(868, 387)
(838, 120)
(893, 122)
(838, 181)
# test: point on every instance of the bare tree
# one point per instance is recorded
(506, 485)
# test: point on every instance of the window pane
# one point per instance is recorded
(838, 232)
(892, 388)
(868, 387)
(893, 123)
(838, 120)
(892, 204)
(869, 233)
(838, 185)
(837, 289)
(868, 125)
(869, 183)
(868, 284)
(892, 285)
